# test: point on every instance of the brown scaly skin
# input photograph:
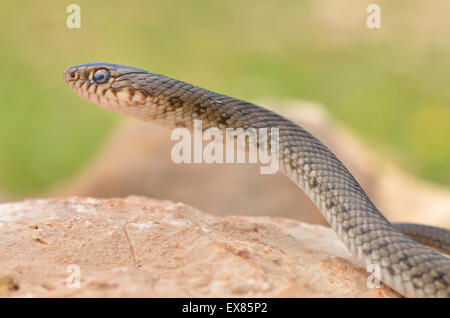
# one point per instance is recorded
(407, 266)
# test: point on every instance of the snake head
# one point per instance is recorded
(111, 86)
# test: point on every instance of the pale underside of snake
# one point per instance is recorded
(405, 265)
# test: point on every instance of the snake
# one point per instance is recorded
(403, 263)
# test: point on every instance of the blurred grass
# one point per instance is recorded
(390, 85)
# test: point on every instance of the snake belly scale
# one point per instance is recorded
(407, 266)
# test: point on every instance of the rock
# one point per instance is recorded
(139, 247)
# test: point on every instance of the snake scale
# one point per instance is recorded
(405, 265)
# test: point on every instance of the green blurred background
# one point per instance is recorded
(390, 85)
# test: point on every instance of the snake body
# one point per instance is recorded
(405, 265)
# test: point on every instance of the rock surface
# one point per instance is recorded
(138, 247)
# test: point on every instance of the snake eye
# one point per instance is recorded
(101, 76)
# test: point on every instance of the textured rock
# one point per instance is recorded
(147, 248)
